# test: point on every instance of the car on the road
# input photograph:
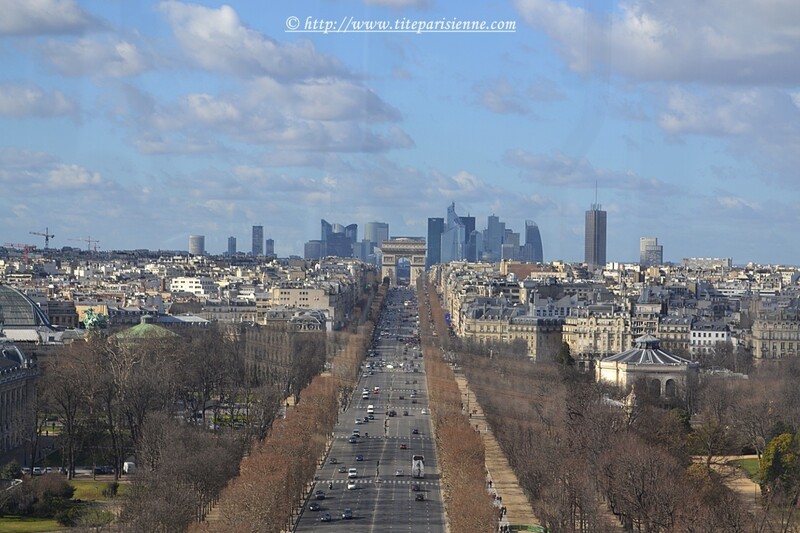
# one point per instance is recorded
(351, 485)
(415, 431)
(413, 401)
(319, 495)
(402, 397)
(358, 421)
(359, 457)
(314, 506)
(352, 473)
(352, 440)
(424, 412)
(403, 446)
(399, 472)
(392, 413)
(326, 517)
(371, 416)
(342, 469)
(420, 497)
(347, 513)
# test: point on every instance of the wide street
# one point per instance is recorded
(384, 495)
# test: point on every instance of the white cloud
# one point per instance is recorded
(26, 172)
(737, 203)
(562, 170)
(323, 99)
(761, 124)
(502, 97)
(25, 100)
(95, 58)
(291, 116)
(70, 176)
(217, 40)
(44, 17)
(748, 41)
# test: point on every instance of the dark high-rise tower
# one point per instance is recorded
(533, 243)
(269, 248)
(595, 242)
(231, 246)
(435, 230)
(258, 241)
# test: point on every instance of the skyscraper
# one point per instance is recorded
(453, 239)
(338, 240)
(376, 232)
(197, 244)
(435, 230)
(493, 238)
(269, 248)
(258, 241)
(595, 237)
(650, 252)
(533, 243)
(326, 228)
(231, 246)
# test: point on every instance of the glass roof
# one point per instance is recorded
(17, 310)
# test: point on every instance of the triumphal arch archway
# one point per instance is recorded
(393, 250)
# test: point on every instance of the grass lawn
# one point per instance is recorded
(750, 466)
(14, 524)
(89, 490)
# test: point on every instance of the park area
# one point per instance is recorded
(52, 503)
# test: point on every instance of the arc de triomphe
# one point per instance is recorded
(410, 248)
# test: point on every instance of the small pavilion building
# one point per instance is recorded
(665, 374)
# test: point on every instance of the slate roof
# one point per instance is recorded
(647, 352)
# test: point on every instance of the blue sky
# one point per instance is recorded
(139, 123)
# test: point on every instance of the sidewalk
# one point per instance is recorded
(501, 479)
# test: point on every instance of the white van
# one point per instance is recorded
(370, 409)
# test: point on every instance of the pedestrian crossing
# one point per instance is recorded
(387, 481)
(373, 436)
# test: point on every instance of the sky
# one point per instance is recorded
(140, 123)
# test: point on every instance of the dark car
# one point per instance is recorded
(403, 447)
(333, 460)
(415, 431)
(420, 497)
(314, 506)
(326, 517)
(347, 514)
(359, 457)
(320, 495)
(342, 470)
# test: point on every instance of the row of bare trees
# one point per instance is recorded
(459, 447)
(589, 466)
(278, 473)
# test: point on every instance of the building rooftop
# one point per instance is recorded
(647, 352)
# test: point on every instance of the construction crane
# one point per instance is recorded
(47, 236)
(89, 241)
(25, 248)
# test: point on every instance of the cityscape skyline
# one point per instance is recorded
(138, 124)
